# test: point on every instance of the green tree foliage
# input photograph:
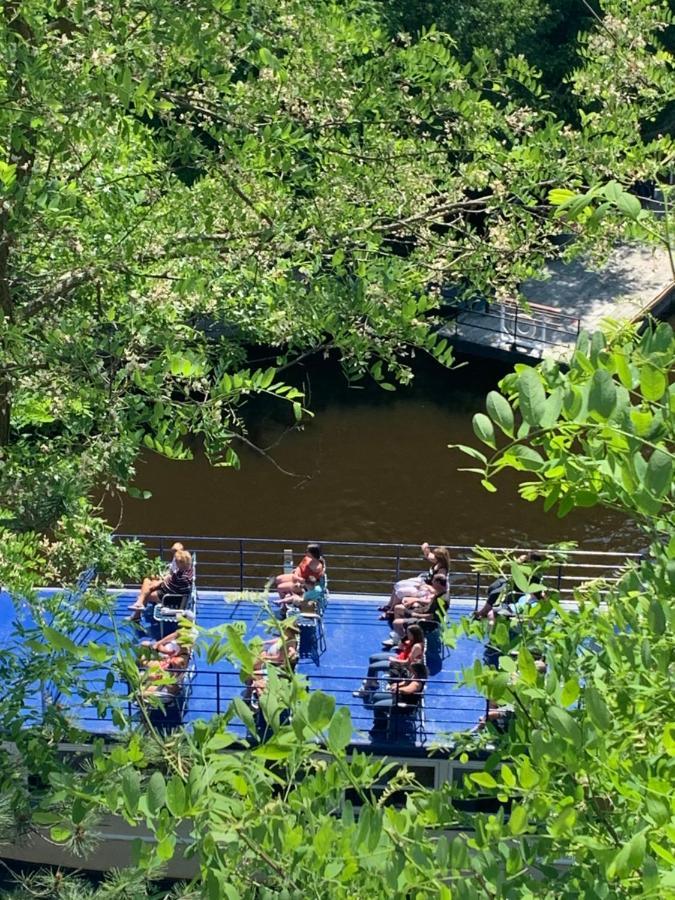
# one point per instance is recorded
(601, 432)
(181, 183)
(544, 33)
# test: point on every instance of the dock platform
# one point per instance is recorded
(635, 281)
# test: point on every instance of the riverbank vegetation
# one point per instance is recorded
(185, 184)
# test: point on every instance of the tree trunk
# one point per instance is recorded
(6, 313)
(5, 411)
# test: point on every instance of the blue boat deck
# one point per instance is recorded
(353, 633)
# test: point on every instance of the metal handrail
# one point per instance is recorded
(218, 686)
(544, 310)
(510, 315)
(241, 563)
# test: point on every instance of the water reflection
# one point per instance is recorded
(370, 466)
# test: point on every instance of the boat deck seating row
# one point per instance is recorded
(162, 620)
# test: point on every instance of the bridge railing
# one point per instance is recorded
(246, 564)
(537, 324)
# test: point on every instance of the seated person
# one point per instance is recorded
(151, 584)
(404, 693)
(178, 580)
(172, 642)
(500, 714)
(280, 651)
(305, 575)
(501, 594)
(410, 651)
(413, 612)
(415, 587)
(165, 675)
(305, 601)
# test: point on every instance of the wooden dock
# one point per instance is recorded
(635, 281)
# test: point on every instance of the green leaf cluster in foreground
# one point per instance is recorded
(599, 433)
(181, 183)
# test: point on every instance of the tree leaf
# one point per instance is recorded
(659, 474)
(652, 382)
(520, 577)
(243, 711)
(470, 451)
(656, 617)
(320, 709)
(564, 724)
(518, 819)
(499, 410)
(526, 666)
(528, 458)
(459, 854)
(602, 395)
(484, 430)
(552, 408)
(622, 367)
(175, 796)
(563, 822)
(165, 847)
(131, 790)
(483, 779)
(560, 196)
(629, 205)
(629, 857)
(570, 692)
(597, 708)
(156, 792)
(60, 641)
(531, 395)
(527, 775)
(267, 58)
(340, 729)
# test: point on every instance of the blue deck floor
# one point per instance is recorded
(353, 632)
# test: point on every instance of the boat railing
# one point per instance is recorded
(247, 564)
(210, 693)
(84, 619)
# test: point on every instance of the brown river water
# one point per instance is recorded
(370, 466)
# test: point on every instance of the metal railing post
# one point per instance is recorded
(398, 562)
(161, 547)
(475, 609)
(241, 565)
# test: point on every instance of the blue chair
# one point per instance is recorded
(312, 638)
